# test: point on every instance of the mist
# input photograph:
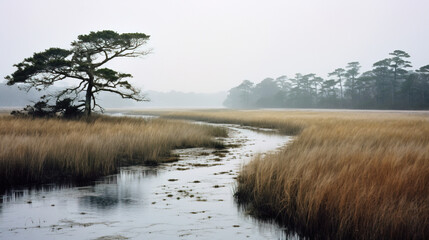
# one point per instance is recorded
(14, 98)
(214, 119)
(212, 46)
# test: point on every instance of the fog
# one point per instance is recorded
(212, 46)
(14, 98)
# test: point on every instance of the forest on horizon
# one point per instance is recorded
(390, 84)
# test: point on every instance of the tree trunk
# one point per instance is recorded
(88, 97)
(393, 89)
(353, 90)
(341, 94)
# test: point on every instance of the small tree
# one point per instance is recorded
(339, 73)
(398, 64)
(317, 85)
(424, 84)
(352, 72)
(83, 62)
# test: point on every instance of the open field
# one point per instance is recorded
(5, 111)
(42, 150)
(361, 175)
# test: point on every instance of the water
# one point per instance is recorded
(189, 199)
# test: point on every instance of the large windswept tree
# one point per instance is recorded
(84, 62)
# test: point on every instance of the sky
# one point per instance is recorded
(213, 45)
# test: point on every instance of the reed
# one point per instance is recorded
(346, 175)
(42, 150)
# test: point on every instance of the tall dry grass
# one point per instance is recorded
(39, 150)
(353, 175)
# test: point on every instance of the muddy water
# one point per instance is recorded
(189, 199)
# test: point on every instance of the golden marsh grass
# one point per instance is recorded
(359, 175)
(40, 150)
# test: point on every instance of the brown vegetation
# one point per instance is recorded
(40, 150)
(360, 175)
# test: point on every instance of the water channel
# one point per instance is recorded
(188, 199)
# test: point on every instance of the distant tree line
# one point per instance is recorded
(389, 85)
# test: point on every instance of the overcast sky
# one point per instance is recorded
(212, 45)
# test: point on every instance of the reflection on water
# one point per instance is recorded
(126, 175)
(12, 195)
(117, 189)
(189, 199)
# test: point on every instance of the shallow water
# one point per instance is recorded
(189, 199)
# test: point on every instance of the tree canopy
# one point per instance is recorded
(83, 62)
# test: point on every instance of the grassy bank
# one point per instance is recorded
(346, 175)
(42, 150)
